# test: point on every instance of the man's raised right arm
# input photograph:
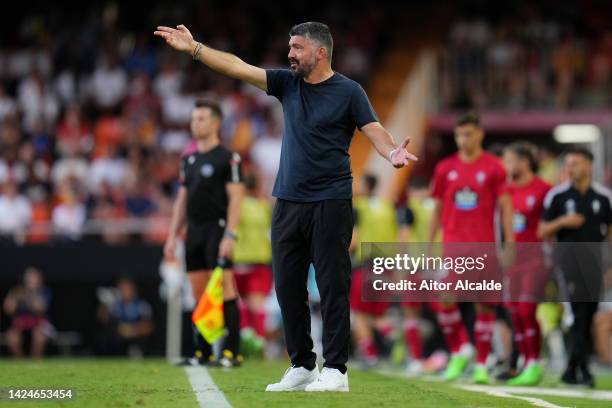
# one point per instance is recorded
(224, 63)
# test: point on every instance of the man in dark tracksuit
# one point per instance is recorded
(578, 213)
(312, 219)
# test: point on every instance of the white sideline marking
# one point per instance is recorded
(207, 392)
(510, 392)
(552, 392)
(502, 393)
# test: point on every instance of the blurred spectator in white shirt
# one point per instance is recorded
(109, 83)
(169, 80)
(8, 107)
(108, 168)
(65, 86)
(69, 217)
(15, 213)
(265, 153)
(36, 101)
(71, 166)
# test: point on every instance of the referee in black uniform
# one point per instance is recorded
(209, 202)
(312, 220)
(578, 214)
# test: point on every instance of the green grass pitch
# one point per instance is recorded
(155, 383)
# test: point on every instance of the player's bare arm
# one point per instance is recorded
(235, 192)
(385, 145)
(505, 206)
(176, 223)
(434, 225)
(181, 39)
(548, 229)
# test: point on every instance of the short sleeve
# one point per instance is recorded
(276, 82)
(500, 184)
(235, 169)
(437, 183)
(550, 211)
(361, 108)
(609, 210)
(183, 172)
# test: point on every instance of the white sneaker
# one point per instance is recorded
(330, 379)
(295, 379)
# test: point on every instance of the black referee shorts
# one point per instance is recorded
(202, 245)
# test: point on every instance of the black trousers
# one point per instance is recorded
(318, 232)
(580, 334)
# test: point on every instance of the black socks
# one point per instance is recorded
(231, 315)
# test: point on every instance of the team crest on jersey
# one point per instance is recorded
(191, 159)
(596, 205)
(481, 177)
(530, 201)
(452, 175)
(570, 206)
(207, 170)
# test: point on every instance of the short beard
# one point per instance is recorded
(302, 71)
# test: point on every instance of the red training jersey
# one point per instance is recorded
(528, 204)
(468, 194)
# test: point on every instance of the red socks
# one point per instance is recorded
(368, 349)
(258, 322)
(254, 319)
(531, 330)
(412, 337)
(449, 319)
(483, 334)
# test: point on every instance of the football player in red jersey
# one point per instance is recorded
(527, 275)
(468, 188)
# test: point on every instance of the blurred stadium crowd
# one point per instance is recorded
(94, 114)
(533, 57)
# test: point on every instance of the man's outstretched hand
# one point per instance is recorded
(178, 38)
(401, 157)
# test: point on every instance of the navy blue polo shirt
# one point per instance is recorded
(320, 120)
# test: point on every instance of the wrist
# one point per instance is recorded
(196, 49)
(230, 234)
(391, 153)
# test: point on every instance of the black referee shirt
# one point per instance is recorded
(205, 176)
(595, 206)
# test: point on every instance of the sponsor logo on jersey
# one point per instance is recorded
(466, 199)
